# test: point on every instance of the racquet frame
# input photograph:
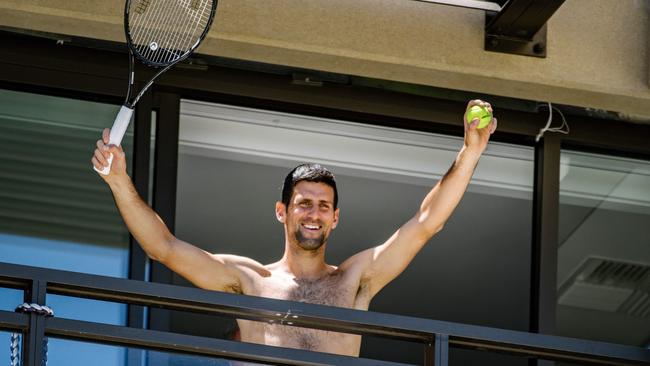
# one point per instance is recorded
(125, 113)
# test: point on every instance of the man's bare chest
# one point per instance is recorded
(333, 290)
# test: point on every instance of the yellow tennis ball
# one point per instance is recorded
(481, 113)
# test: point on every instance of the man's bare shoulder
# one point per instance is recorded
(247, 272)
(356, 264)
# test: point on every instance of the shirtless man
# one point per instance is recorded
(309, 213)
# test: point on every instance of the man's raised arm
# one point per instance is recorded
(205, 270)
(380, 265)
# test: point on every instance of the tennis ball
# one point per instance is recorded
(479, 112)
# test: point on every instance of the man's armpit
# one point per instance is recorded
(234, 288)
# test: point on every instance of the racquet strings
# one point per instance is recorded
(163, 31)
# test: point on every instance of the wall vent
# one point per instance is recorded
(608, 285)
(637, 305)
(615, 274)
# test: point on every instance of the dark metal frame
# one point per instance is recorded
(164, 190)
(543, 268)
(39, 281)
(36, 64)
(545, 238)
(516, 27)
(520, 27)
(137, 257)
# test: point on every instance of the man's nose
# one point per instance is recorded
(312, 212)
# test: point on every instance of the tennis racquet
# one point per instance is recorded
(159, 33)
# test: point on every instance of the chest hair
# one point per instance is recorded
(329, 291)
(326, 291)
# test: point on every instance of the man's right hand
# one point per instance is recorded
(102, 154)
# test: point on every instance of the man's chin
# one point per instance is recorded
(311, 244)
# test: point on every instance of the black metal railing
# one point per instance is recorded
(437, 336)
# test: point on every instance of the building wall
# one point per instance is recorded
(597, 49)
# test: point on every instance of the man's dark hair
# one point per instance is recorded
(309, 172)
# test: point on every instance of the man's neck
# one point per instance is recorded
(304, 264)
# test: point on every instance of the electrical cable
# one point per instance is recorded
(560, 129)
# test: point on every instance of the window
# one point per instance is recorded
(55, 212)
(604, 249)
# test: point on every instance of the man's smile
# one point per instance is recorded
(311, 227)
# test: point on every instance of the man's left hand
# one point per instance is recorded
(477, 138)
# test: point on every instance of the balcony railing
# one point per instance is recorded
(436, 336)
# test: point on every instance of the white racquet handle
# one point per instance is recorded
(117, 133)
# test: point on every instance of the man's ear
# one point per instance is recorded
(336, 218)
(280, 211)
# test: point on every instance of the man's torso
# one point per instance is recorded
(337, 288)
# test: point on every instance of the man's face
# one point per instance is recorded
(311, 216)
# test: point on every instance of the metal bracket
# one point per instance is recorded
(535, 47)
(520, 27)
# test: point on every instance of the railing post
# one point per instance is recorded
(441, 355)
(33, 345)
(429, 353)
